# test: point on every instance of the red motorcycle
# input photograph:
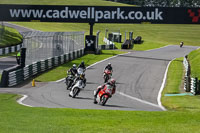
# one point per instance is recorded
(107, 75)
(104, 94)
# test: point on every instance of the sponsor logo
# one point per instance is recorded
(195, 17)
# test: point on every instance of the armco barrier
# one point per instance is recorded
(11, 49)
(22, 74)
(190, 84)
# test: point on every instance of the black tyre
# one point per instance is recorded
(69, 85)
(75, 92)
(103, 100)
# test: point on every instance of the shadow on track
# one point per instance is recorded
(117, 106)
(84, 98)
(147, 58)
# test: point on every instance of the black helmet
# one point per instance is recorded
(109, 64)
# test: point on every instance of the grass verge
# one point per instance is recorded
(17, 118)
(60, 71)
(9, 37)
(153, 35)
(174, 85)
(194, 59)
(10, 54)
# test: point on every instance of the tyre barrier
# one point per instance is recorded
(190, 84)
(18, 76)
(10, 49)
(108, 45)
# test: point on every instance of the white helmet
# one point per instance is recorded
(74, 65)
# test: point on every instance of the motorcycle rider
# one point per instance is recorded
(111, 83)
(109, 67)
(73, 70)
(181, 44)
(82, 65)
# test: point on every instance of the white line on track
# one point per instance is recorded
(23, 98)
(134, 98)
(140, 100)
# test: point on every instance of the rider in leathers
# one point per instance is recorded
(109, 67)
(73, 70)
(112, 83)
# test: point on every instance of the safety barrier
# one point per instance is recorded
(22, 74)
(10, 49)
(190, 84)
(109, 45)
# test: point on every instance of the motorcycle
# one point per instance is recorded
(181, 44)
(107, 75)
(69, 81)
(80, 83)
(104, 94)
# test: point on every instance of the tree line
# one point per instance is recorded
(161, 3)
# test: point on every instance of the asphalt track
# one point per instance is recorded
(6, 62)
(139, 77)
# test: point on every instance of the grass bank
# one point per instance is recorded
(153, 35)
(175, 86)
(10, 54)
(9, 37)
(194, 60)
(17, 118)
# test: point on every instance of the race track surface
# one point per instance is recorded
(139, 76)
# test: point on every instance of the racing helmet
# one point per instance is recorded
(82, 62)
(112, 81)
(74, 65)
(109, 64)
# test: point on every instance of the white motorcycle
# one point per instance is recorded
(80, 83)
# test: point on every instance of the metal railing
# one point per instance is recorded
(44, 45)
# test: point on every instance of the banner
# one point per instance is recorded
(99, 14)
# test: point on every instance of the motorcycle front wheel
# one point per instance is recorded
(75, 92)
(103, 100)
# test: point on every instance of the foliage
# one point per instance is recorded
(162, 3)
(9, 36)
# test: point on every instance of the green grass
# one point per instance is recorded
(175, 75)
(175, 85)
(17, 118)
(9, 37)
(194, 59)
(153, 35)
(182, 117)
(10, 54)
(60, 71)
